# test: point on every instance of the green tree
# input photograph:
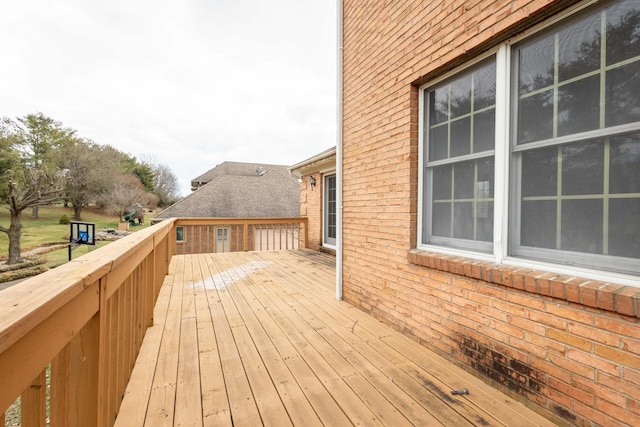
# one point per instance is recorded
(145, 175)
(9, 155)
(38, 139)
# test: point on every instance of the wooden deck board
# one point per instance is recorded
(258, 339)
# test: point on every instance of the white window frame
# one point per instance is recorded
(504, 163)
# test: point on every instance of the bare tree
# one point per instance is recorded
(126, 191)
(36, 187)
(165, 182)
(87, 172)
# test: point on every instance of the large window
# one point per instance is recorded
(573, 120)
(460, 130)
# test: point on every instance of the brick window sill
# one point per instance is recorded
(613, 297)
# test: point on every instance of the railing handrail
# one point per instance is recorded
(65, 317)
(223, 220)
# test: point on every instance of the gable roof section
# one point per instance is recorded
(269, 192)
(236, 169)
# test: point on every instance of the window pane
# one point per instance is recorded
(485, 178)
(623, 21)
(484, 86)
(579, 106)
(461, 137)
(463, 181)
(579, 50)
(540, 172)
(624, 227)
(463, 220)
(625, 165)
(442, 182)
(484, 195)
(622, 100)
(484, 131)
(539, 224)
(485, 221)
(536, 65)
(582, 226)
(441, 221)
(439, 105)
(461, 96)
(535, 117)
(583, 168)
(438, 145)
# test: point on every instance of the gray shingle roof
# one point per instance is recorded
(241, 190)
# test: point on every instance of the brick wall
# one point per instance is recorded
(568, 347)
(311, 207)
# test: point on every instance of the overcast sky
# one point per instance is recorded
(191, 83)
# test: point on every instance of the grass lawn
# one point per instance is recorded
(47, 230)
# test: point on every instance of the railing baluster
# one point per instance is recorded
(33, 402)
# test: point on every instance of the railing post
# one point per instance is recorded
(246, 236)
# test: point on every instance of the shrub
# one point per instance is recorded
(64, 219)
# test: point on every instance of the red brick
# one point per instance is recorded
(517, 278)
(618, 326)
(588, 293)
(530, 284)
(598, 363)
(625, 300)
(594, 334)
(605, 296)
(618, 356)
(573, 287)
(526, 300)
(629, 388)
(527, 325)
(549, 320)
(569, 339)
(630, 345)
(595, 416)
(618, 412)
(507, 278)
(569, 313)
(543, 283)
(571, 392)
(573, 366)
(557, 288)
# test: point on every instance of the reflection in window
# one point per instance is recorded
(576, 195)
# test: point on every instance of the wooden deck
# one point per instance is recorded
(258, 338)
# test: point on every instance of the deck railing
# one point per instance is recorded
(69, 337)
(200, 235)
